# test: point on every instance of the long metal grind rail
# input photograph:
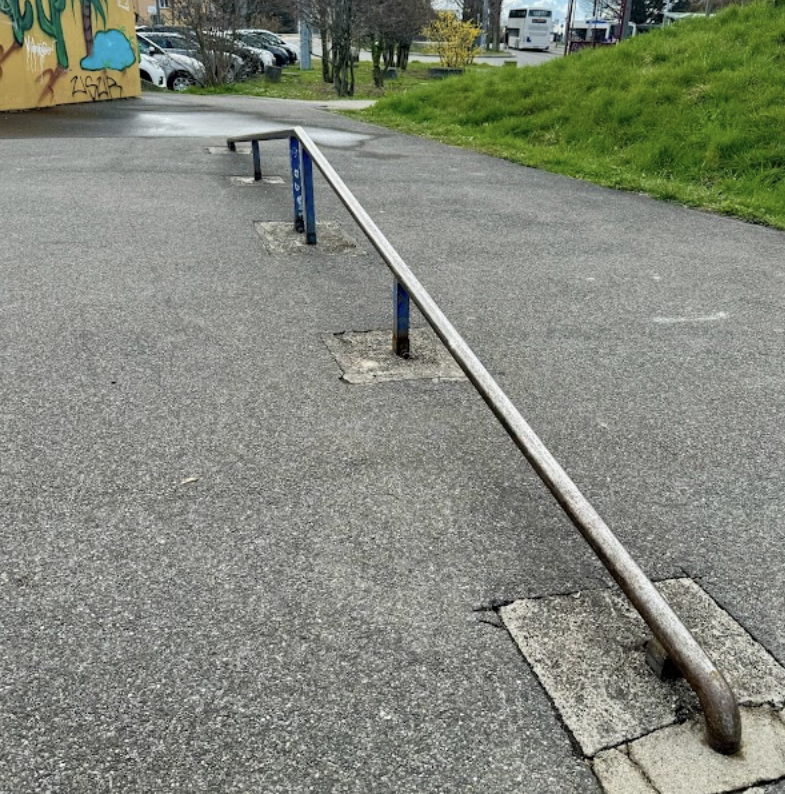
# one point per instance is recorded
(721, 712)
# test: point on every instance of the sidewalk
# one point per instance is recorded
(225, 569)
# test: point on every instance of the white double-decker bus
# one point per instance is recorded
(529, 28)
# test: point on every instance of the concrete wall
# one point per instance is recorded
(54, 52)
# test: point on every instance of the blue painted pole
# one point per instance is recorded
(297, 185)
(310, 209)
(257, 161)
(401, 332)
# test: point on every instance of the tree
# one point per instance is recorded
(495, 23)
(270, 14)
(215, 50)
(337, 23)
(389, 26)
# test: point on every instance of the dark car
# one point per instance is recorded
(277, 41)
(254, 39)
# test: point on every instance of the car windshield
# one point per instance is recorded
(252, 39)
(170, 41)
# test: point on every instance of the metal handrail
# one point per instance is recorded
(720, 709)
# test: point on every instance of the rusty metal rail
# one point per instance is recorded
(721, 713)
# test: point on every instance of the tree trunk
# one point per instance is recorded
(327, 74)
(343, 62)
(402, 61)
(376, 56)
(343, 69)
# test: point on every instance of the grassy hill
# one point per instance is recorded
(694, 113)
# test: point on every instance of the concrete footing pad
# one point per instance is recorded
(280, 237)
(367, 357)
(677, 759)
(250, 181)
(644, 734)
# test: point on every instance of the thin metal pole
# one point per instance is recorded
(721, 712)
(297, 187)
(257, 161)
(401, 324)
(310, 208)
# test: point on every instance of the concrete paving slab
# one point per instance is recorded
(678, 759)
(588, 649)
(367, 357)
(619, 775)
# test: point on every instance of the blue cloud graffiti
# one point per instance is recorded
(111, 50)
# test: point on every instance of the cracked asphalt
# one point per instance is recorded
(225, 569)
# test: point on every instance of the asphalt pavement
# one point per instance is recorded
(226, 569)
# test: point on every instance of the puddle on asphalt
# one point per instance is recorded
(208, 125)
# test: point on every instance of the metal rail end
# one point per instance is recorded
(723, 720)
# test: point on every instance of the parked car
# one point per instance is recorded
(252, 54)
(252, 38)
(150, 71)
(222, 62)
(294, 53)
(182, 71)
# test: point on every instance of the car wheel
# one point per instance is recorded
(179, 81)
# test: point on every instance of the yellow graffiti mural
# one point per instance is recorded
(53, 52)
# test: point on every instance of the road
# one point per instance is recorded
(523, 57)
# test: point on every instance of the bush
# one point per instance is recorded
(452, 40)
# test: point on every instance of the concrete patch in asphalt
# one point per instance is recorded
(588, 650)
(678, 760)
(279, 237)
(367, 357)
(240, 148)
(619, 775)
(249, 181)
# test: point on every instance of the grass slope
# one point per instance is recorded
(694, 113)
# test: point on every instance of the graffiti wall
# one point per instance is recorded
(58, 51)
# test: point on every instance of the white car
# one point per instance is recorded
(150, 71)
(181, 71)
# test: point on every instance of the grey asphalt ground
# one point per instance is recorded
(224, 569)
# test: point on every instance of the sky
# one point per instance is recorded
(559, 7)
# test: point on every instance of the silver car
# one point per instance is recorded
(181, 71)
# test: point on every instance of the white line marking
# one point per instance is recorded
(709, 318)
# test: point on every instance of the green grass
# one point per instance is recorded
(297, 84)
(694, 113)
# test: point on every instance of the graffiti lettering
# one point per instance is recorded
(96, 88)
(37, 53)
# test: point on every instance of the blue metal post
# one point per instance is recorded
(257, 161)
(310, 209)
(297, 185)
(401, 332)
